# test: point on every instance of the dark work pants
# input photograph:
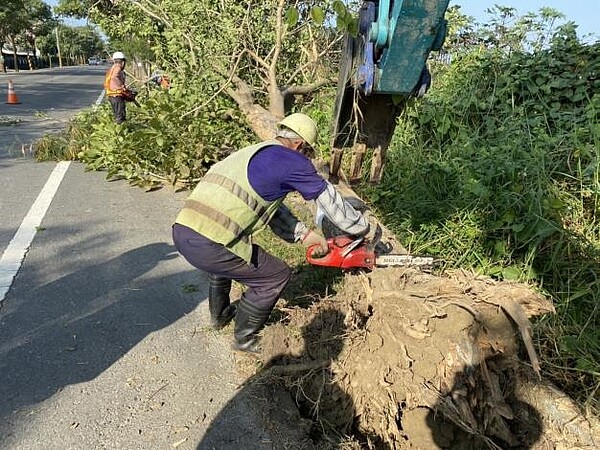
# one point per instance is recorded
(118, 107)
(265, 277)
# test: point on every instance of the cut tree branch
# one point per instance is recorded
(275, 98)
(306, 89)
(325, 51)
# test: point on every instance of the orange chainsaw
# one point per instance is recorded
(130, 96)
(346, 252)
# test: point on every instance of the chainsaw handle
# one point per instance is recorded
(331, 258)
(344, 253)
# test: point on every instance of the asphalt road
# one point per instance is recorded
(48, 98)
(104, 341)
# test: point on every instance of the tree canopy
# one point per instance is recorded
(31, 25)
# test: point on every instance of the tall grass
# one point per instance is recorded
(68, 143)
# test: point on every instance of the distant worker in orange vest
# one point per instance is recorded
(160, 79)
(114, 83)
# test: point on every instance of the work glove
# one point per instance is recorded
(313, 238)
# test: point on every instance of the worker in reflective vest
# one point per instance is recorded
(114, 83)
(238, 197)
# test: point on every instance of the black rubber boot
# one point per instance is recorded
(249, 321)
(221, 311)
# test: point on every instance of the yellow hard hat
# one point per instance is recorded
(302, 125)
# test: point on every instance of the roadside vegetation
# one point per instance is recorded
(496, 169)
(34, 36)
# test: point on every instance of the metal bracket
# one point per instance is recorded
(365, 74)
(380, 30)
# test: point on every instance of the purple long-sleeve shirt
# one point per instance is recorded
(277, 170)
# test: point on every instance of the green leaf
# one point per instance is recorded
(353, 26)
(511, 273)
(586, 364)
(500, 248)
(495, 270)
(317, 14)
(339, 8)
(189, 288)
(517, 227)
(555, 203)
(568, 344)
(341, 23)
(291, 17)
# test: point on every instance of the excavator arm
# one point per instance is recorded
(380, 68)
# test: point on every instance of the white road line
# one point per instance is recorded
(14, 254)
(100, 98)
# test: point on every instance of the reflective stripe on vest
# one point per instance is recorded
(225, 208)
(111, 92)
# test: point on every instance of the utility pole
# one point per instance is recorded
(58, 47)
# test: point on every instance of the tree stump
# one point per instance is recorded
(402, 359)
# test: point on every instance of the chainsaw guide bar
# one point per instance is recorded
(346, 252)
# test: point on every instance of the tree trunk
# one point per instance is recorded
(33, 64)
(15, 57)
(262, 121)
(276, 102)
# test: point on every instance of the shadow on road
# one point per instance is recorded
(297, 398)
(70, 330)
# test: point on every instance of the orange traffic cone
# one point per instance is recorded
(12, 97)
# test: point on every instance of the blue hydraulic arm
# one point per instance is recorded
(384, 64)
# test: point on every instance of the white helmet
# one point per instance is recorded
(302, 125)
(118, 55)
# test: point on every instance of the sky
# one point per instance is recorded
(69, 21)
(585, 13)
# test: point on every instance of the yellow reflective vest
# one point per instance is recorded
(225, 208)
(107, 82)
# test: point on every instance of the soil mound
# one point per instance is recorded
(402, 359)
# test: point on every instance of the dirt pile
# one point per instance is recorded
(403, 359)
